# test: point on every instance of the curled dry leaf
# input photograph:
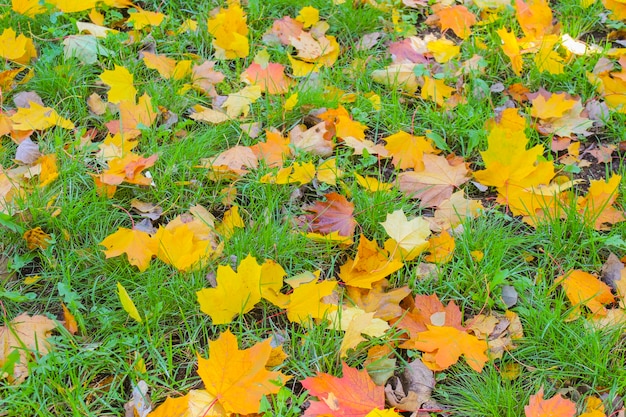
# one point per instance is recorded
(411, 389)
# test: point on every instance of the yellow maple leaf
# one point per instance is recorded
(180, 247)
(143, 18)
(301, 173)
(445, 345)
(407, 150)
(597, 206)
(436, 90)
(509, 164)
(127, 303)
(440, 248)
(238, 292)
(37, 117)
(138, 246)
(546, 58)
(231, 221)
(239, 103)
(308, 16)
(372, 184)
(356, 323)
(410, 235)
(28, 8)
(305, 302)
(370, 264)
(443, 49)
(72, 6)
(121, 82)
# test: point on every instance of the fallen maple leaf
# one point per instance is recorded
(597, 206)
(410, 236)
(138, 246)
(121, 82)
(18, 48)
(333, 215)
(508, 164)
(535, 18)
(142, 18)
(20, 339)
(556, 406)
(445, 345)
(458, 18)
(230, 30)
(353, 395)
(316, 140)
(408, 151)
(440, 248)
(370, 264)
(384, 303)
(238, 378)
(238, 292)
(180, 247)
(38, 117)
(356, 323)
(427, 310)
(306, 301)
(436, 182)
(271, 78)
(585, 289)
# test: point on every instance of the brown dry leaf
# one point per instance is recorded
(436, 182)
(384, 302)
(412, 388)
(28, 337)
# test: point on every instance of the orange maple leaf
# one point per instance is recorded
(585, 289)
(273, 150)
(138, 246)
(128, 169)
(333, 215)
(535, 18)
(458, 18)
(238, 378)
(133, 117)
(445, 345)
(440, 248)
(353, 395)
(556, 406)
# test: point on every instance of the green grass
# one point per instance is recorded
(91, 373)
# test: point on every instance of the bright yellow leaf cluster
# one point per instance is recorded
(184, 245)
(230, 30)
(239, 292)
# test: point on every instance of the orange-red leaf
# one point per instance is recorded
(353, 395)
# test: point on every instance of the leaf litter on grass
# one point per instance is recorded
(268, 71)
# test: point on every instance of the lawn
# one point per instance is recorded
(319, 208)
